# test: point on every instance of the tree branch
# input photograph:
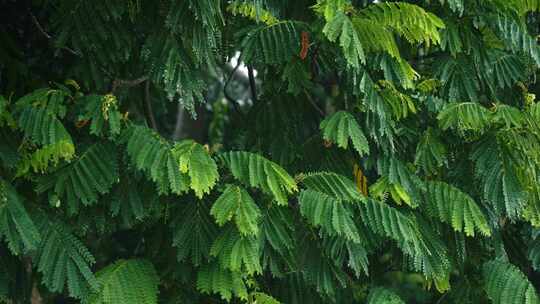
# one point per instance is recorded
(252, 84)
(227, 96)
(127, 83)
(148, 105)
(48, 36)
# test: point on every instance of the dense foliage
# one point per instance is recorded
(367, 152)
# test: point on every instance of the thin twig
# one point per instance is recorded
(252, 84)
(441, 298)
(127, 83)
(39, 27)
(227, 96)
(48, 36)
(312, 102)
(148, 105)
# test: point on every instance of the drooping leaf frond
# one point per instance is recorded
(342, 126)
(236, 202)
(42, 127)
(252, 11)
(340, 25)
(399, 173)
(334, 216)
(516, 37)
(193, 232)
(41, 159)
(211, 278)
(275, 43)
(458, 80)
(409, 20)
(257, 171)
(381, 295)
(389, 222)
(86, 178)
(494, 166)
(505, 283)
(126, 281)
(333, 185)
(508, 116)
(382, 187)
(103, 113)
(64, 260)
(16, 225)
(236, 252)
(194, 160)
(465, 116)
(262, 298)
(456, 208)
(431, 153)
(153, 155)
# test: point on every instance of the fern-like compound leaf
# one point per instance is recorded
(262, 298)
(409, 20)
(381, 295)
(431, 153)
(464, 116)
(340, 25)
(86, 178)
(126, 282)
(103, 113)
(16, 225)
(64, 260)
(153, 155)
(236, 252)
(194, 231)
(334, 216)
(342, 127)
(212, 278)
(257, 171)
(194, 160)
(508, 116)
(334, 185)
(42, 126)
(398, 173)
(506, 284)
(456, 208)
(235, 202)
(275, 43)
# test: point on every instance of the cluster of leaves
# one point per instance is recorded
(389, 153)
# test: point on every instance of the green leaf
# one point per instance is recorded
(103, 113)
(334, 185)
(257, 171)
(381, 295)
(236, 202)
(340, 25)
(153, 155)
(334, 216)
(236, 252)
(212, 278)
(193, 232)
(431, 153)
(342, 126)
(16, 225)
(86, 178)
(194, 160)
(464, 116)
(506, 284)
(126, 282)
(456, 208)
(408, 20)
(64, 260)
